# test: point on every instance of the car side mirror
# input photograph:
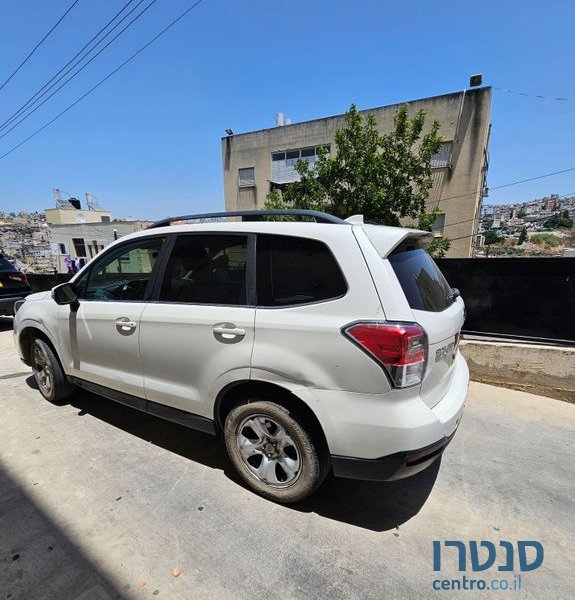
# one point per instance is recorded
(64, 294)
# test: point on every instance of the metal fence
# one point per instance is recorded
(530, 298)
(41, 283)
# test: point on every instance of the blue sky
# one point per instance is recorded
(147, 142)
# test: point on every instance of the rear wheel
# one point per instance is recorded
(272, 451)
(48, 373)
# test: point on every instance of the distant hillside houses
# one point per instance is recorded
(532, 214)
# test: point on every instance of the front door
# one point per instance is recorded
(101, 337)
(198, 334)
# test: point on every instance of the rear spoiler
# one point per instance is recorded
(388, 239)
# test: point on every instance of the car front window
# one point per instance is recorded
(122, 276)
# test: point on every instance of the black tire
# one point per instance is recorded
(48, 373)
(278, 459)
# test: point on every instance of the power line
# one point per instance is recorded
(145, 9)
(464, 237)
(38, 44)
(461, 222)
(535, 199)
(506, 185)
(92, 89)
(538, 96)
(33, 98)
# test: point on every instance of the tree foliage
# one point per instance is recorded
(492, 237)
(548, 239)
(385, 177)
(439, 245)
(559, 222)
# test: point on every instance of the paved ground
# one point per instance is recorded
(98, 501)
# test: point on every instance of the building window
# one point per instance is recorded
(105, 219)
(442, 158)
(438, 225)
(283, 163)
(94, 248)
(247, 177)
(308, 155)
(79, 247)
(62, 248)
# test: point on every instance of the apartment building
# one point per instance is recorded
(256, 162)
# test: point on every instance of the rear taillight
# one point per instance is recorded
(401, 348)
(18, 277)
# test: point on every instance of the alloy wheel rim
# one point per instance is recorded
(268, 451)
(42, 370)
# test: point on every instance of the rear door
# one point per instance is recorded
(307, 290)
(435, 309)
(197, 334)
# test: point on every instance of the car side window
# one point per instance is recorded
(294, 270)
(122, 275)
(207, 269)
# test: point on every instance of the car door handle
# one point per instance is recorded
(228, 332)
(125, 326)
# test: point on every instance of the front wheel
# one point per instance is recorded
(272, 452)
(48, 373)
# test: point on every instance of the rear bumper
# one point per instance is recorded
(7, 303)
(389, 468)
(386, 434)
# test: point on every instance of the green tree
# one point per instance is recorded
(492, 237)
(385, 177)
(548, 239)
(275, 201)
(559, 222)
(438, 245)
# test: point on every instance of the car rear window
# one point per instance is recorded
(5, 265)
(294, 270)
(422, 282)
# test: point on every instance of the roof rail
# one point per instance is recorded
(255, 215)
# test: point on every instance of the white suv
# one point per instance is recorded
(311, 344)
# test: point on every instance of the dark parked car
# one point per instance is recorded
(13, 286)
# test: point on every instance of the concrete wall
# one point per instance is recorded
(96, 237)
(60, 216)
(542, 370)
(464, 119)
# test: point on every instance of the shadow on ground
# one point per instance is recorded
(374, 505)
(378, 506)
(37, 559)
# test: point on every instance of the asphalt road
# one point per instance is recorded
(98, 501)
